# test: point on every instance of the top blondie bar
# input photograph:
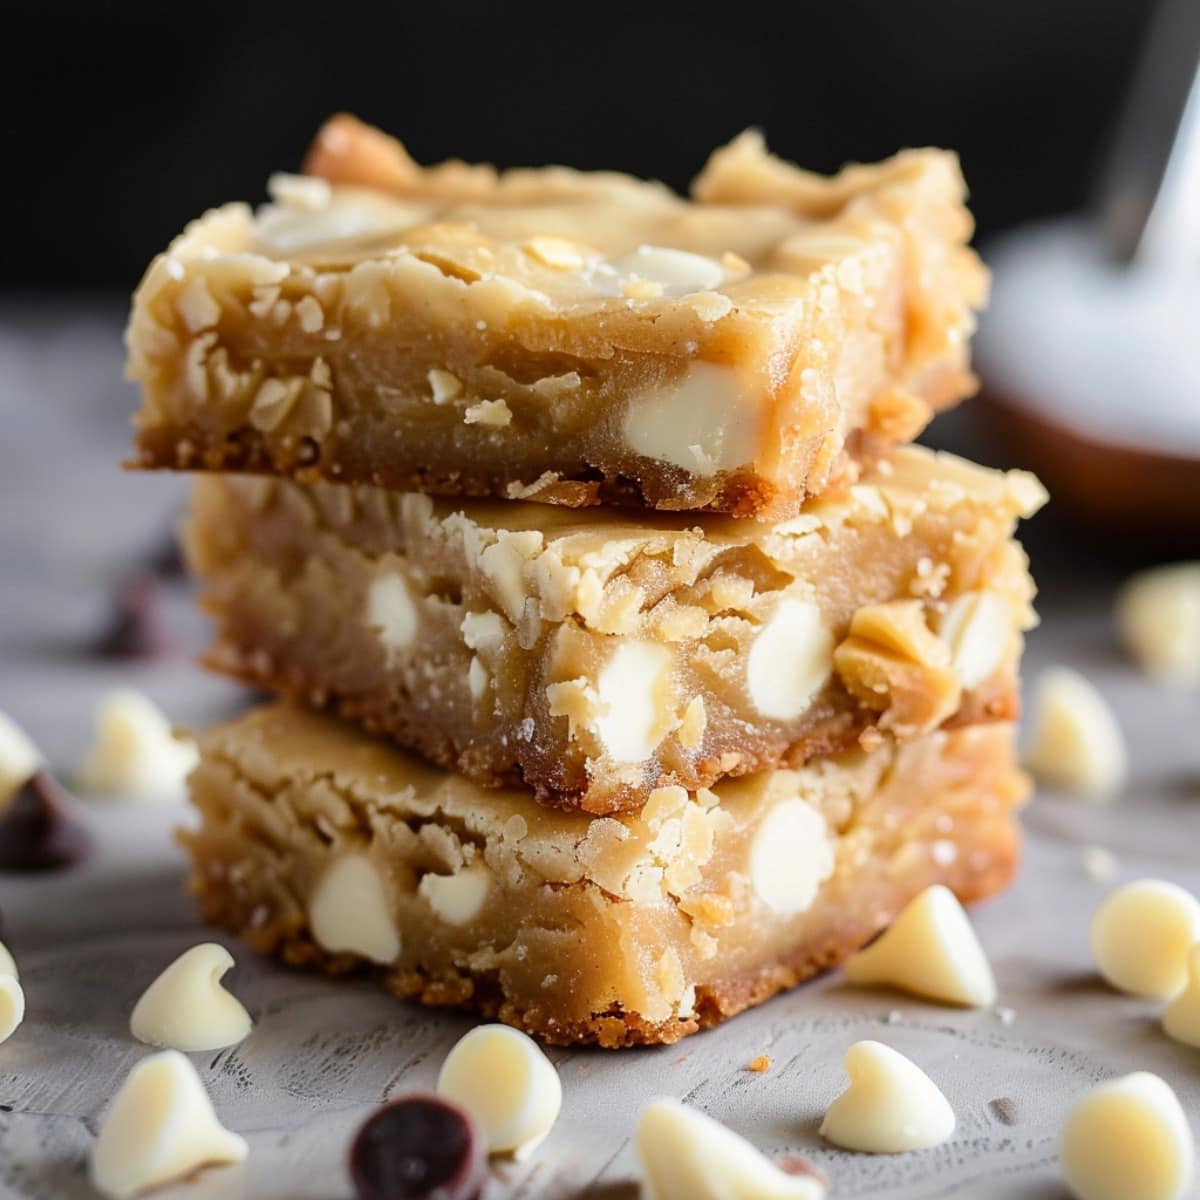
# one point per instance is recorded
(557, 335)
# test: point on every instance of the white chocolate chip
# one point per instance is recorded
(634, 689)
(1128, 1139)
(19, 757)
(12, 1005)
(494, 413)
(790, 661)
(1158, 613)
(186, 1008)
(890, 1107)
(391, 613)
(134, 752)
(444, 386)
(686, 1155)
(161, 1127)
(1141, 936)
(931, 950)
(677, 271)
(1077, 744)
(349, 911)
(505, 1081)
(1099, 864)
(477, 679)
(790, 857)
(457, 898)
(977, 628)
(702, 423)
(8, 964)
(1182, 1018)
(299, 191)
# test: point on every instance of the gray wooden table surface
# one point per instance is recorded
(323, 1055)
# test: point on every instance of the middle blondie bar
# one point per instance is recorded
(594, 656)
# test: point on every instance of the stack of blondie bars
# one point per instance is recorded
(632, 667)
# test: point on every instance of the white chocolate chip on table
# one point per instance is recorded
(1142, 934)
(135, 755)
(508, 1085)
(1128, 1139)
(931, 950)
(161, 1127)
(686, 1155)
(19, 757)
(186, 1008)
(12, 996)
(1158, 615)
(890, 1107)
(1181, 1021)
(1076, 744)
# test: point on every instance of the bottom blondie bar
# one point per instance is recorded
(324, 846)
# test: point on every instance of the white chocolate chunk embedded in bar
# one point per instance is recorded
(161, 1128)
(890, 1107)
(187, 1008)
(349, 911)
(931, 950)
(1142, 934)
(508, 1085)
(686, 1155)
(1128, 1137)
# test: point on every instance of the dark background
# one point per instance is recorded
(121, 122)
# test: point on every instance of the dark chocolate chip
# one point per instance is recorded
(135, 628)
(37, 833)
(418, 1148)
(166, 559)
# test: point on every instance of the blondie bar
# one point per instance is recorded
(328, 848)
(592, 655)
(561, 336)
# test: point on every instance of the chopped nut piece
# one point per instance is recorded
(1128, 1137)
(894, 663)
(444, 386)
(1077, 744)
(1158, 613)
(489, 412)
(1142, 934)
(890, 1107)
